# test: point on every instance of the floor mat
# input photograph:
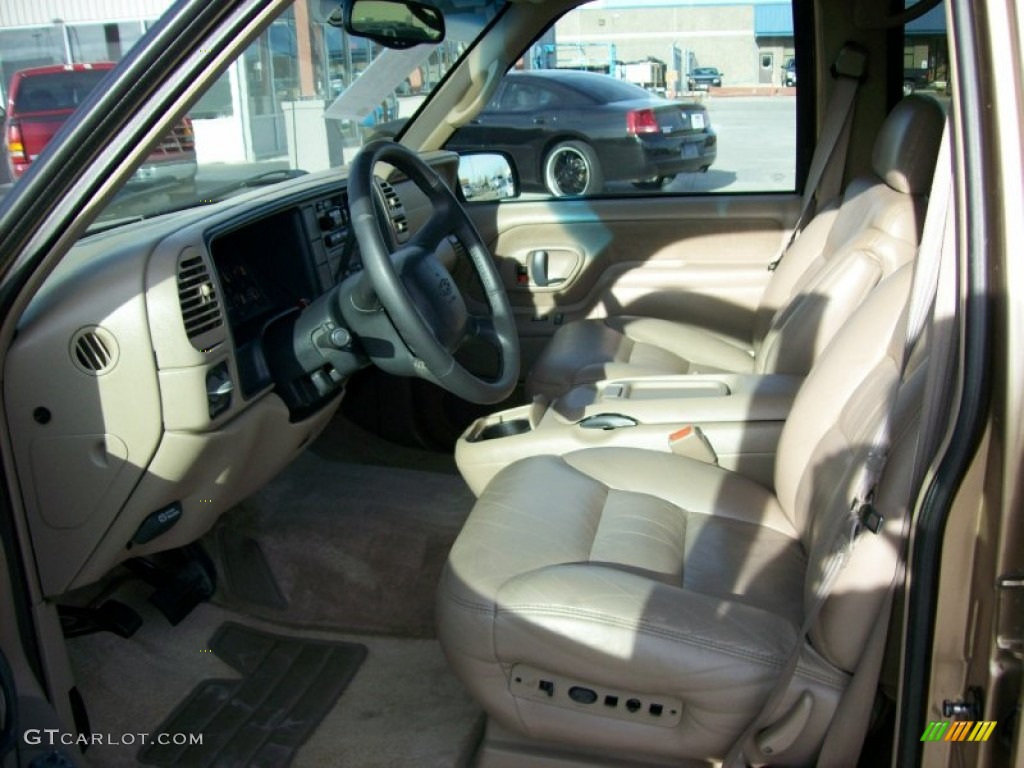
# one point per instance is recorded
(403, 708)
(287, 687)
(342, 547)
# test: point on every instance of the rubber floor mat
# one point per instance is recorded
(288, 684)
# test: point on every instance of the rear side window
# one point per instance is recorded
(526, 96)
(686, 97)
(57, 90)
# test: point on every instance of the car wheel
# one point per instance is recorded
(571, 168)
(655, 182)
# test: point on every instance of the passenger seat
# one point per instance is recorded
(825, 274)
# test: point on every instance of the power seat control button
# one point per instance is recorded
(582, 695)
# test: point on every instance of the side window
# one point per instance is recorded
(685, 97)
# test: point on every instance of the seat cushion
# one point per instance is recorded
(624, 346)
(634, 570)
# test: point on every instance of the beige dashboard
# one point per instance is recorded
(141, 402)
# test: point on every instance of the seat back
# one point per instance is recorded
(849, 248)
(826, 440)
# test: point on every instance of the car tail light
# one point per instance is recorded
(16, 150)
(641, 121)
(15, 145)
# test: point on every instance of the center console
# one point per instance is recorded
(733, 420)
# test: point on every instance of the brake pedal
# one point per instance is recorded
(191, 585)
(111, 616)
(181, 579)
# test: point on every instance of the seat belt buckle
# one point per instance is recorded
(690, 441)
(866, 515)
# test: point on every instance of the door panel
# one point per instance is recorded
(696, 260)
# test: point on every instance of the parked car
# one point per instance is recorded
(703, 78)
(570, 132)
(789, 72)
(42, 98)
(914, 79)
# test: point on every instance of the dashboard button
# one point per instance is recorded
(331, 219)
(340, 338)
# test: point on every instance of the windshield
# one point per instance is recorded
(303, 97)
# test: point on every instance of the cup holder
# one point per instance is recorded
(503, 429)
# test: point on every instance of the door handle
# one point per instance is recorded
(538, 261)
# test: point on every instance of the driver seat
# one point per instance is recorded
(630, 604)
(827, 271)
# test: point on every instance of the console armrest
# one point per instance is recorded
(683, 399)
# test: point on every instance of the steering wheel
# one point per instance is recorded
(404, 306)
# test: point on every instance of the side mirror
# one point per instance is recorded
(393, 23)
(487, 176)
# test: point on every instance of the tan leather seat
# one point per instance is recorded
(653, 578)
(826, 273)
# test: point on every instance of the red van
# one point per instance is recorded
(42, 98)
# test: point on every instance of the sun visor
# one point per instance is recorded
(384, 75)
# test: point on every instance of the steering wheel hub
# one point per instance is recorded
(405, 306)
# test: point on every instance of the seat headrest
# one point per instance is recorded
(908, 144)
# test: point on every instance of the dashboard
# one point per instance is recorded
(271, 269)
(168, 368)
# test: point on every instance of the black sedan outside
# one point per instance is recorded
(569, 132)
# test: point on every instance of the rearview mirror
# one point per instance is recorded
(394, 23)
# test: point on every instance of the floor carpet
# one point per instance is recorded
(344, 546)
(341, 546)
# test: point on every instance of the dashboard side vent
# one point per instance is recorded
(461, 254)
(200, 307)
(391, 199)
(395, 211)
(94, 350)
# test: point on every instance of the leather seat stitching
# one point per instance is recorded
(645, 628)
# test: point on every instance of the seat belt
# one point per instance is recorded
(855, 706)
(825, 176)
(845, 735)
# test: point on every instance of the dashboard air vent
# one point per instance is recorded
(94, 350)
(395, 211)
(461, 254)
(392, 201)
(200, 307)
